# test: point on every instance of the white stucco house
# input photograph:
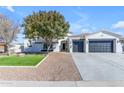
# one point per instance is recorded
(16, 48)
(96, 42)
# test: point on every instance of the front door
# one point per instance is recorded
(64, 46)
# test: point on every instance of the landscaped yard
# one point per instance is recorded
(26, 60)
(56, 67)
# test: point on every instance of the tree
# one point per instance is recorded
(8, 30)
(49, 26)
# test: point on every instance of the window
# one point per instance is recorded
(38, 42)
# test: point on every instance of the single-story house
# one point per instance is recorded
(16, 48)
(101, 42)
(13, 47)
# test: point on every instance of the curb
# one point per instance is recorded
(41, 61)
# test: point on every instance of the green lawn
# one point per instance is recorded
(26, 60)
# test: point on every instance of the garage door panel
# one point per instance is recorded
(78, 46)
(100, 46)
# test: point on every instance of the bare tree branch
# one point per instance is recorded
(8, 30)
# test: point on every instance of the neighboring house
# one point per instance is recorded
(102, 41)
(16, 48)
(13, 48)
(2, 45)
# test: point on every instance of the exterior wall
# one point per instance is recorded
(98, 36)
(86, 45)
(2, 48)
(70, 45)
(16, 48)
(39, 47)
(119, 46)
(26, 43)
(70, 41)
(33, 47)
(57, 46)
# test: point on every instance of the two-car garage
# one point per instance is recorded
(97, 42)
(100, 46)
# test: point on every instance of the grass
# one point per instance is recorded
(26, 60)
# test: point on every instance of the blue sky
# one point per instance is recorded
(82, 19)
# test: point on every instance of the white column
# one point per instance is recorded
(70, 46)
(118, 46)
(57, 46)
(86, 45)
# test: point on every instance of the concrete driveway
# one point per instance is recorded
(97, 66)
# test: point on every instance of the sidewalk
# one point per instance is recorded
(61, 83)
